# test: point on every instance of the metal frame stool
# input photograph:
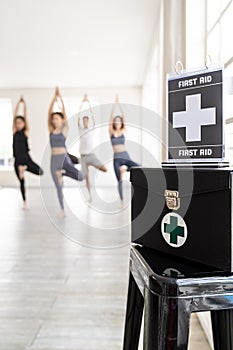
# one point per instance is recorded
(168, 290)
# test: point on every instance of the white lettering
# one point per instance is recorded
(188, 152)
(206, 79)
(206, 152)
(187, 82)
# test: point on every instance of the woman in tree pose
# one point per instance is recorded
(121, 159)
(86, 145)
(61, 163)
(23, 161)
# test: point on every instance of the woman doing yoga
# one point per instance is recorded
(86, 146)
(61, 163)
(121, 160)
(23, 161)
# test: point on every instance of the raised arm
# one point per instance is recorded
(16, 113)
(22, 100)
(79, 112)
(17, 108)
(24, 107)
(85, 99)
(92, 116)
(111, 120)
(122, 114)
(117, 102)
(51, 108)
(59, 99)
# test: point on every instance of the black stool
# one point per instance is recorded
(169, 290)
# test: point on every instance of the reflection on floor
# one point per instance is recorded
(56, 294)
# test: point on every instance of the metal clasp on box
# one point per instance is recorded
(172, 199)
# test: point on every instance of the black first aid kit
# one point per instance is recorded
(185, 207)
(185, 212)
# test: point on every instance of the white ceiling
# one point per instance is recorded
(75, 42)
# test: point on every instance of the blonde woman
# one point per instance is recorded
(61, 163)
(23, 161)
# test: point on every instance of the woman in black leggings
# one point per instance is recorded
(121, 159)
(23, 161)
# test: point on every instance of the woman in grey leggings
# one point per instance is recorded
(61, 163)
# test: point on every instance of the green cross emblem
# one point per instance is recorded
(174, 230)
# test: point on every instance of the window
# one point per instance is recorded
(6, 118)
(213, 44)
(226, 33)
(219, 29)
(218, 43)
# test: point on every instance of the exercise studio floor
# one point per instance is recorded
(56, 294)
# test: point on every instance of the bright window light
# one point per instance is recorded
(213, 11)
(219, 38)
(6, 118)
(226, 34)
(214, 44)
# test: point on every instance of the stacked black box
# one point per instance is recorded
(184, 212)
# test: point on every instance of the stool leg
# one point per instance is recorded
(176, 323)
(151, 321)
(166, 324)
(184, 315)
(133, 318)
(222, 327)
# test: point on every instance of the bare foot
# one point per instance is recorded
(63, 213)
(103, 168)
(122, 205)
(90, 199)
(25, 207)
(59, 176)
(22, 169)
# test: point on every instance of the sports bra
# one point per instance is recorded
(118, 140)
(57, 140)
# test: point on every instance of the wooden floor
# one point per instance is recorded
(197, 338)
(56, 294)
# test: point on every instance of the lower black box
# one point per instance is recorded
(184, 212)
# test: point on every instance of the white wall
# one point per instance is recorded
(38, 101)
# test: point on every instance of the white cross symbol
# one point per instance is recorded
(194, 118)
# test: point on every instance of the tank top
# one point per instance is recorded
(57, 140)
(86, 140)
(119, 140)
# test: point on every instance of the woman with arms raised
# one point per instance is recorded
(121, 159)
(23, 161)
(61, 163)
